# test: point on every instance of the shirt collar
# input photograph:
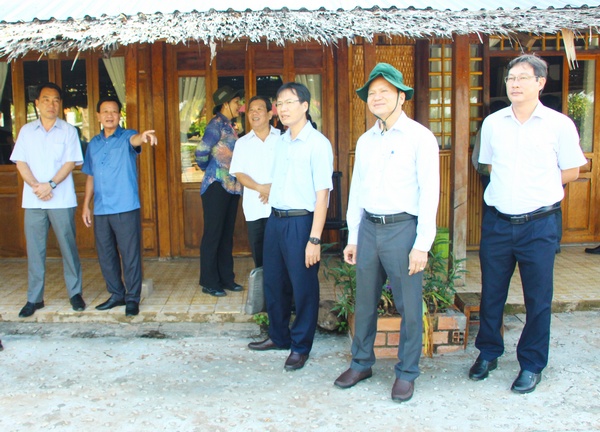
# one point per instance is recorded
(117, 133)
(398, 125)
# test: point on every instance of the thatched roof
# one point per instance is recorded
(281, 26)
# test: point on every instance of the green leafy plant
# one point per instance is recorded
(344, 286)
(439, 279)
(262, 319)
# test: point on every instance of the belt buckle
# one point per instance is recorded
(518, 220)
(380, 218)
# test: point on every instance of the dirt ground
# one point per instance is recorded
(202, 377)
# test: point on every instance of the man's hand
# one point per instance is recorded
(86, 215)
(312, 254)
(149, 136)
(264, 190)
(417, 261)
(350, 254)
(43, 191)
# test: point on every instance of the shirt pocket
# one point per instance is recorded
(58, 152)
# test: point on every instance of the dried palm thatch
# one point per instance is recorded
(324, 26)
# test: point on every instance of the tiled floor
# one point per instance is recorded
(177, 297)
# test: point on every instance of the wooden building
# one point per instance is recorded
(165, 59)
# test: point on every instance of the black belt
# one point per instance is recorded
(522, 218)
(290, 213)
(388, 219)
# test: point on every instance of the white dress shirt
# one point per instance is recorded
(396, 172)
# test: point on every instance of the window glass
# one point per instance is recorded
(111, 76)
(35, 73)
(313, 83)
(75, 98)
(7, 114)
(192, 122)
(581, 101)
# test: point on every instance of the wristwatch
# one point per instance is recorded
(52, 184)
(314, 240)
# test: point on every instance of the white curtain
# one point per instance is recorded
(313, 84)
(116, 71)
(3, 75)
(192, 98)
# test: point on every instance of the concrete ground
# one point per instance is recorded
(201, 377)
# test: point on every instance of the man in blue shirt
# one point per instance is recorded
(110, 163)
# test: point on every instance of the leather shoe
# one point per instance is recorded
(30, 308)
(481, 369)
(214, 292)
(1, 347)
(77, 303)
(351, 377)
(526, 382)
(235, 287)
(402, 390)
(295, 361)
(110, 303)
(265, 345)
(595, 250)
(132, 308)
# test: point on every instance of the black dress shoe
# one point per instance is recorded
(595, 250)
(77, 303)
(402, 390)
(214, 292)
(526, 382)
(30, 308)
(295, 361)
(1, 347)
(481, 369)
(132, 308)
(351, 377)
(235, 287)
(265, 345)
(110, 303)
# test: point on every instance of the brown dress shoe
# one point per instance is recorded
(402, 390)
(352, 377)
(295, 361)
(265, 345)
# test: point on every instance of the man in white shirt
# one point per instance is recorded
(46, 152)
(299, 194)
(531, 151)
(391, 217)
(251, 164)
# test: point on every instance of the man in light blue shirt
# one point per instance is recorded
(110, 163)
(45, 153)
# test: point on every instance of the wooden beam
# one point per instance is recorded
(422, 82)
(460, 147)
(343, 118)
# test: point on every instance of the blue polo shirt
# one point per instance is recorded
(112, 163)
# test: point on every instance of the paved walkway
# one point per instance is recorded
(177, 297)
(183, 377)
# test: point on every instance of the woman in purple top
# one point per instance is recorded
(220, 193)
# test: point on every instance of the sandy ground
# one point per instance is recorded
(202, 377)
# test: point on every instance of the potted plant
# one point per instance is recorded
(439, 280)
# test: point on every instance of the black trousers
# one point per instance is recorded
(216, 249)
(118, 240)
(256, 238)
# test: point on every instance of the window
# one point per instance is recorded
(440, 93)
(581, 101)
(7, 114)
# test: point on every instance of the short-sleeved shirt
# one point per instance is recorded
(45, 152)
(254, 157)
(527, 159)
(397, 172)
(112, 163)
(213, 154)
(302, 167)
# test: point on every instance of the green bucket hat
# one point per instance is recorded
(225, 94)
(391, 75)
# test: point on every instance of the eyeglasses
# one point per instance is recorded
(512, 79)
(287, 103)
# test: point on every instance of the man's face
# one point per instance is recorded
(526, 87)
(258, 115)
(48, 103)
(289, 108)
(382, 98)
(109, 115)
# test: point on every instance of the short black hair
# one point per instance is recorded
(265, 99)
(108, 99)
(49, 85)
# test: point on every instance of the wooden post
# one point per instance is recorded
(460, 148)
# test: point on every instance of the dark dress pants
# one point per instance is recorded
(532, 245)
(216, 249)
(382, 251)
(118, 242)
(256, 238)
(286, 278)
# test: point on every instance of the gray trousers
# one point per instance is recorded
(118, 240)
(37, 222)
(382, 251)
